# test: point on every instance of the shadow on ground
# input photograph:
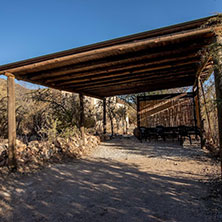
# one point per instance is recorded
(165, 150)
(99, 190)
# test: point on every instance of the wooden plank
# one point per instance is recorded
(133, 73)
(11, 122)
(164, 96)
(78, 70)
(104, 116)
(82, 129)
(130, 70)
(136, 88)
(131, 81)
(92, 94)
(118, 76)
(160, 104)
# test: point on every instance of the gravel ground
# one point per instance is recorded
(122, 180)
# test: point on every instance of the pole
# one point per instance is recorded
(11, 122)
(82, 130)
(199, 111)
(104, 116)
(138, 112)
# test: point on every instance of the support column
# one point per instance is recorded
(11, 122)
(104, 116)
(194, 110)
(194, 114)
(218, 85)
(199, 111)
(138, 114)
(82, 130)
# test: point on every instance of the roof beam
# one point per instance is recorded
(98, 66)
(116, 49)
(145, 88)
(131, 78)
(143, 67)
(133, 75)
(136, 82)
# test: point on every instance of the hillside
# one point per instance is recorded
(19, 90)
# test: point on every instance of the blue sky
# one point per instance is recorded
(32, 28)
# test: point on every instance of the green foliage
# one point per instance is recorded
(49, 131)
(69, 132)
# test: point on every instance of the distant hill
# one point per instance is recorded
(19, 90)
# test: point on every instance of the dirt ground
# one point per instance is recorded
(122, 180)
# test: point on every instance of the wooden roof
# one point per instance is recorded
(159, 59)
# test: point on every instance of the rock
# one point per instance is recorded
(37, 153)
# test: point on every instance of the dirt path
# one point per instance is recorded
(123, 180)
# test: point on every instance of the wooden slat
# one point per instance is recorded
(68, 72)
(144, 67)
(133, 71)
(163, 96)
(131, 79)
(158, 105)
(116, 76)
(137, 88)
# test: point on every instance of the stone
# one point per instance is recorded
(37, 153)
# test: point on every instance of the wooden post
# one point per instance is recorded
(138, 114)
(104, 116)
(194, 114)
(82, 130)
(199, 112)
(217, 57)
(11, 122)
(194, 110)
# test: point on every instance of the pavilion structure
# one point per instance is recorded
(170, 57)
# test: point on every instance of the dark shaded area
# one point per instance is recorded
(100, 190)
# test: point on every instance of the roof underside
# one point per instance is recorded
(165, 58)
